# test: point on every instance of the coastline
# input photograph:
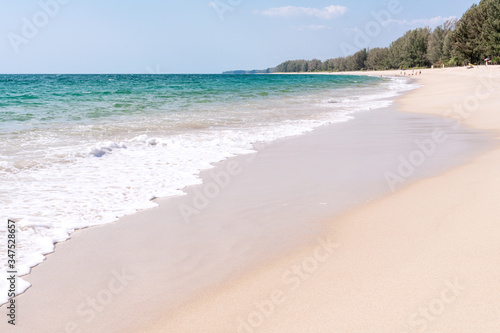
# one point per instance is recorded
(420, 260)
(256, 282)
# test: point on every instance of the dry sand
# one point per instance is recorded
(425, 259)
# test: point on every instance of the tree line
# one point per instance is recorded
(470, 39)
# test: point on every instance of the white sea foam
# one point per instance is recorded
(89, 183)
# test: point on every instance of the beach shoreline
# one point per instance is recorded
(345, 241)
(421, 259)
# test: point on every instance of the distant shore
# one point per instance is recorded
(398, 72)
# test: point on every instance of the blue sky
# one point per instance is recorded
(199, 36)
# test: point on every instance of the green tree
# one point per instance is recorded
(314, 65)
(416, 47)
(410, 50)
(436, 44)
(468, 36)
(396, 54)
(491, 28)
(359, 59)
(377, 59)
(439, 47)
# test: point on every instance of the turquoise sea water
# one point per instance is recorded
(83, 150)
(35, 100)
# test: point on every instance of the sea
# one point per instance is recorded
(78, 151)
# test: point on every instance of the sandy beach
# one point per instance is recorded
(421, 257)
(424, 259)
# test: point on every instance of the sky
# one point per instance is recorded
(200, 36)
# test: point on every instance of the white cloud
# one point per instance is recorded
(313, 27)
(211, 4)
(432, 22)
(292, 11)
